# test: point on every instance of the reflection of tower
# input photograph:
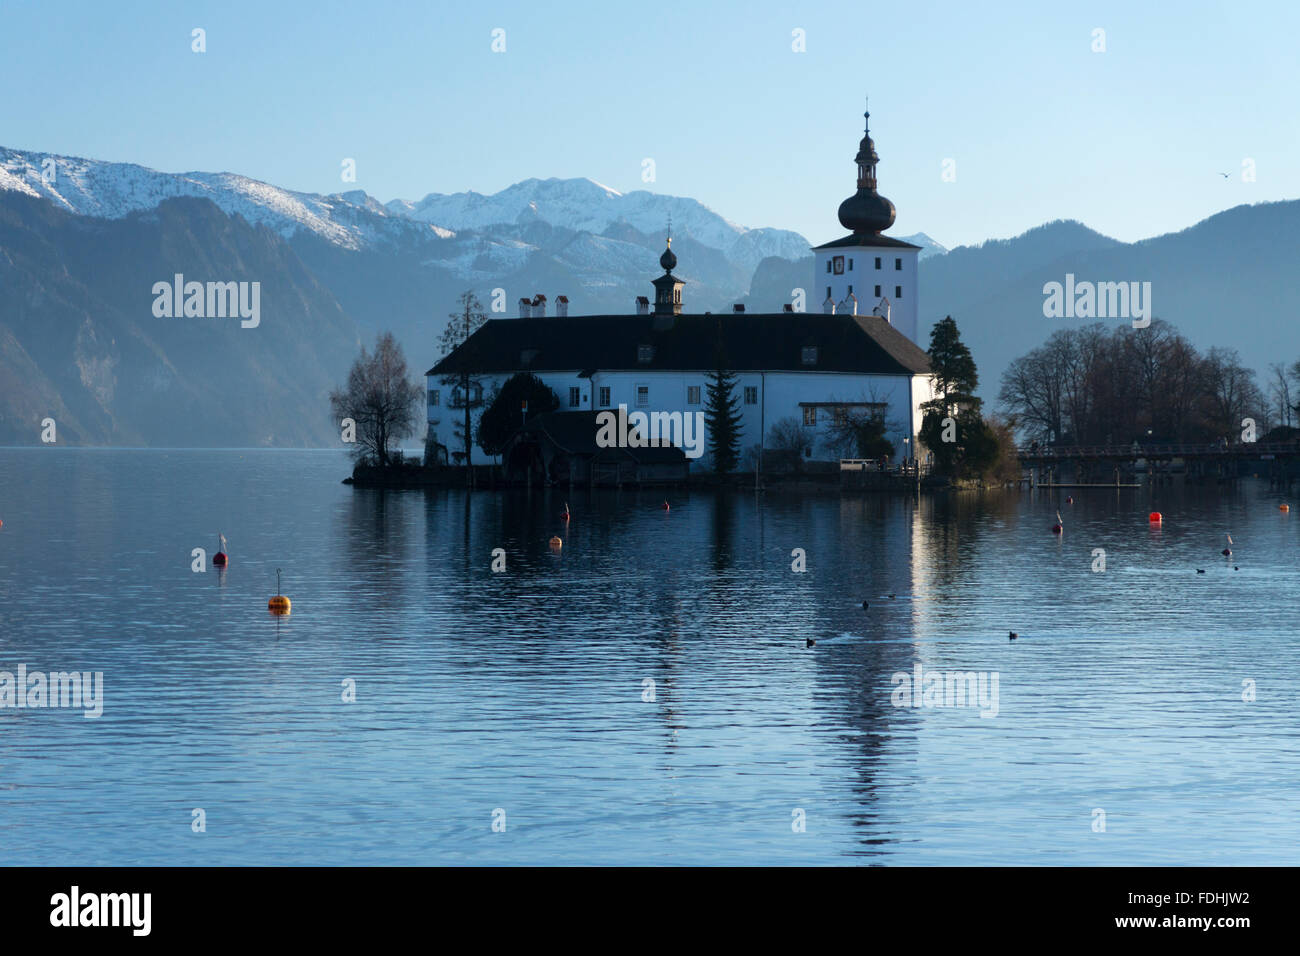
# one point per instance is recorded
(867, 266)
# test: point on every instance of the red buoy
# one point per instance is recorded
(1057, 529)
(219, 560)
(665, 506)
(1155, 517)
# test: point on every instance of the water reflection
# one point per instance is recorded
(527, 689)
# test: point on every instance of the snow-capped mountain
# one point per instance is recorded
(928, 246)
(597, 233)
(355, 220)
(105, 190)
(584, 205)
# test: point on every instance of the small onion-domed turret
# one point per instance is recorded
(668, 260)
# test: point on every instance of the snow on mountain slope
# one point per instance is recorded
(928, 246)
(355, 220)
(586, 206)
(112, 190)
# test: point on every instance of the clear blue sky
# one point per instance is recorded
(1130, 141)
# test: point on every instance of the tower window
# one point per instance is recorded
(828, 265)
(828, 292)
(877, 292)
(877, 262)
(850, 265)
(850, 290)
(898, 265)
(898, 292)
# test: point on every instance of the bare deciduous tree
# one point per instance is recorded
(466, 388)
(380, 398)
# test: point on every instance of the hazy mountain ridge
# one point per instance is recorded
(80, 343)
(1225, 281)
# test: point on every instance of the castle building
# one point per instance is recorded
(797, 373)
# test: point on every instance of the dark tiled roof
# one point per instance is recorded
(863, 344)
(868, 239)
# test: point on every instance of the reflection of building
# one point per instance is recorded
(799, 371)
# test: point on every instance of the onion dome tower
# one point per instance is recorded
(867, 212)
(668, 288)
(866, 267)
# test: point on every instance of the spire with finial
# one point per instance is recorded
(867, 211)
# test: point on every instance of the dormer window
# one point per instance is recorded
(809, 355)
(645, 354)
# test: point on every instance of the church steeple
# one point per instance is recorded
(867, 212)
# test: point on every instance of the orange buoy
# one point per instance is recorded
(1283, 508)
(1155, 517)
(279, 604)
(556, 543)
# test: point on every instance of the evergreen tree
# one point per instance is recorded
(722, 414)
(505, 414)
(952, 427)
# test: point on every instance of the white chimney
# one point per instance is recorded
(525, 308)
(562, 306)
(539, 306)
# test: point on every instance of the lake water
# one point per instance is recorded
(526, 691)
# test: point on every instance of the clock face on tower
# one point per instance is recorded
(839, 265)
